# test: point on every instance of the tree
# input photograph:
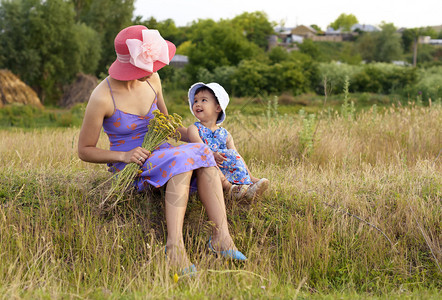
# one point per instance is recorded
(217, 44)
(317, 28)
(167, 28)
(107, 18)
(255, 26)
(310, 48)
(278, 54)
(410, 40)
(344, 21)
(382, 46)
(388, 44)
(366, 45)
(41, 43)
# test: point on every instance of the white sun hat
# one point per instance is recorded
(220, 93)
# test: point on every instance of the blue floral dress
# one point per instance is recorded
(233, 168)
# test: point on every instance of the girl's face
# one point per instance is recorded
(205, 107)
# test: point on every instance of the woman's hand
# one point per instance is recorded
(137, 155)
(219, 158)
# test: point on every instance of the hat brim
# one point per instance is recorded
(191, 96)
(127, 71)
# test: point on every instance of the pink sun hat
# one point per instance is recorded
(140, 52)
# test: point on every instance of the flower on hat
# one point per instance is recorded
(151, 49)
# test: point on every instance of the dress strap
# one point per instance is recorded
(112, 95)
(152, 89)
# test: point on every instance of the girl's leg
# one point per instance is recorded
(254, 179)
(177, 194)
(211, 195)
(224, 182)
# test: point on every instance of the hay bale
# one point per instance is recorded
(79, 91)
(13, 90)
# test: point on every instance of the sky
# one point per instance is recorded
(402, 13)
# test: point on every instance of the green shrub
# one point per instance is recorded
(335, 74)
(428, 86)
(383, 78)
(27, 116)
(253, 78)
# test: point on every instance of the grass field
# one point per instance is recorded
(353, 212)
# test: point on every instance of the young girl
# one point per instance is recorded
(208, 103)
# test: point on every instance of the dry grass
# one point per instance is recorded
(357, 217)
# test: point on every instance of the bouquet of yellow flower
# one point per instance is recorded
(161, 128)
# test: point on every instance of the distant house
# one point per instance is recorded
(349, 35)
(429, 40)
(436, 42)
(424, 39)
(304, 31)
(354, 28)
(364, 28)
(284, 34)
(179, 61)
(297, 38)
(327, 38)
(286, 37)
(332, 31)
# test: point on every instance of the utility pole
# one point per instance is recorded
(416, 41)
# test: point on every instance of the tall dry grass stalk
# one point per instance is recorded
(305, 238)
(402, 134)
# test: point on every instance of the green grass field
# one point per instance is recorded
(354, 211)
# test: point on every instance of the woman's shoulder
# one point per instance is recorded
(101, 97)
(99, 91)
(155, 80)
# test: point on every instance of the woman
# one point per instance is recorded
(122, 104)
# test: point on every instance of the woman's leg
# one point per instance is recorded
(177, 194)
(211, 194)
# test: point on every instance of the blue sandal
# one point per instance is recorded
(190, 270)
(233, 254)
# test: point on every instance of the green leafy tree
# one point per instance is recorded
(409, 36)
(249, 78)
(107, 18)
(278, 54)
(388, 44)
(255, 26)
(310, 48)
(382, 46)
(410, 39)
(15, 53)
(41, 43)
(344, 21)
(255, 77)
(317, 28)
(223, 75)
(366, 45)
(167, 28)
(217, 44)
(309, 68)
(89, 48)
